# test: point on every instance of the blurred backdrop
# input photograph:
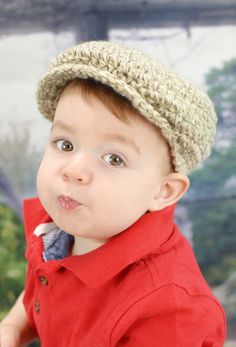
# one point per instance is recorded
(194, 37)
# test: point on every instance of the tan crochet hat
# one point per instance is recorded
(184, 114)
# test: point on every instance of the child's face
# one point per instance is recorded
(99, 174)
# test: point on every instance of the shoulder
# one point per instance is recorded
(168, 298)
(171, 314)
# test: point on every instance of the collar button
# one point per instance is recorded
(43, 280)
(37, 307)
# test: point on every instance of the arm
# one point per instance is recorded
(15, 330)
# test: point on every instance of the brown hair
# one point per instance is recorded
(120, 106)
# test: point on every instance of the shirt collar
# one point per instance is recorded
(151, 234)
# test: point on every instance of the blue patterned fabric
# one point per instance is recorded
(59, 247)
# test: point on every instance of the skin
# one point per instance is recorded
(105, 175)
(115, 181)
(15, 330)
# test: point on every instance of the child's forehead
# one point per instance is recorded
(107, 126)
(138, 134)
(75, 103)
(90, 89)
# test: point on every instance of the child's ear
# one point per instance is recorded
(173, 187)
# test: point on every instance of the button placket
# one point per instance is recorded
(43, 282)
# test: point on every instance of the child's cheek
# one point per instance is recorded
(41, 179)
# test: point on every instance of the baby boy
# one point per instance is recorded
(107, 266)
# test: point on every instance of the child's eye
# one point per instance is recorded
(64, 145)
(114, 159)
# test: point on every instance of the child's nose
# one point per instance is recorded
(77, 169)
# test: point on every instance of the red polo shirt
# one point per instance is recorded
(142, 288)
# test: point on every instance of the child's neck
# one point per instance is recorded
(84, 245)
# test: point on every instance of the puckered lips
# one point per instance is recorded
(67, 203)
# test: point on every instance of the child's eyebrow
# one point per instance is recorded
(61, 125)
(122, 139)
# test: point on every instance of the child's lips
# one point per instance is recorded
(67, 202)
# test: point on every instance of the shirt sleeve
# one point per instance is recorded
(171, 317)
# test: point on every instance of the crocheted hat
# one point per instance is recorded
(184, 114)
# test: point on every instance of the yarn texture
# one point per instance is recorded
(184, 114)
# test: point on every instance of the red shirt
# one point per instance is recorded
(143, 288)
